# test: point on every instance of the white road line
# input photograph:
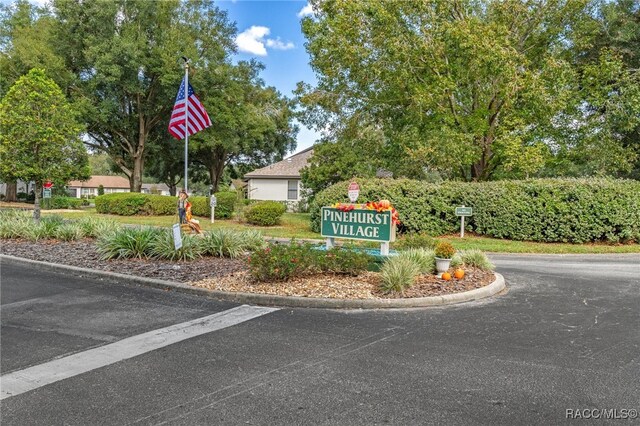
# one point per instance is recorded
(34, 377)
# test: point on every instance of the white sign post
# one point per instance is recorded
(462, 212)
(353, 192)
(213, 203)
(177, 238)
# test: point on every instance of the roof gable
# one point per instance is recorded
(105, 181)
(288, 168)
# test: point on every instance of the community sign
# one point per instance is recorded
(358, 224)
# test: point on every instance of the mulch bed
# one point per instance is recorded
(232, 274)
(84, 255)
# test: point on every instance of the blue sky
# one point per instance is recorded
(269, 31)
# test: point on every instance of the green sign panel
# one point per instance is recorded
(464, 211)
(358, 224)
(46, 193)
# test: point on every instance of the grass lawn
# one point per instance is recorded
(296, 225)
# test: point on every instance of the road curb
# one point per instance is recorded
(275, 300)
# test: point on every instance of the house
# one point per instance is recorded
(279, 181)
(111, 184)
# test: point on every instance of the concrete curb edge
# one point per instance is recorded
(275, 300)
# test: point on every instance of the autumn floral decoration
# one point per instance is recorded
(380, 206)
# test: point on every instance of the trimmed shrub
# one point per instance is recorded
(122, 203)
(264, 213)
(547, 210)
(65, 203)
(281, 262)
(398, 273)
(160, 205)
(415, 241)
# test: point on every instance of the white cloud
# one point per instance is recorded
(305, 11)
(252, 40)
(279, 44)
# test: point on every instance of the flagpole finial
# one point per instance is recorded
(186, 61)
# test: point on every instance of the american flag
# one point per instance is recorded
(198, 117)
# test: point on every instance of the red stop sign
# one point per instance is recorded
(47, 185)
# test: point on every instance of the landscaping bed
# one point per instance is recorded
(83, 254)
(363, 286)
(225, 274)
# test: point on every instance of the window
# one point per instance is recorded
(292, 193)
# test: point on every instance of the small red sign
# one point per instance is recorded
(47, 185)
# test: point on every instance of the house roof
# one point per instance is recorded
(157, 186)
(105, 181)
(287, 168)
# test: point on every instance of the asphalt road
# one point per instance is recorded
(566, 336)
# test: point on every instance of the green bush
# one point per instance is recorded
(163, 247)
(415, 241)
(546, 210)
(160, 205)
(224, 243)
(425, 259)
(444, 250)
(281, 262)
(476, 258)
(342, 260)
(264, 213)
(65, 203)
(127, 242)
(122, 203)
(398, 273)
(69, 232)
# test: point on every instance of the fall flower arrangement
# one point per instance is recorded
(379, 206)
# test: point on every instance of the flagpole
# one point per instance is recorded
(186, 121)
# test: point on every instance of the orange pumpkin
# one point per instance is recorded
(446, 276)
(458, 274)
(385, 204)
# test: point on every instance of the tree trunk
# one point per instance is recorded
(215, 174)
(36, 202)
(216, 167)
(135, 180)
(480, 170)
(172, 190)
(11, 193)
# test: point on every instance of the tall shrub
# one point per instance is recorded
(548, 210)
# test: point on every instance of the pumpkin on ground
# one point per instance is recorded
(458, 274)
(446, 276)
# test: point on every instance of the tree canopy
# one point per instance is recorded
(40, 134)
(119, 64)
(474, 90)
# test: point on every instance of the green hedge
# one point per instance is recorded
(547, 210)
(135, 203)
(64, 203)
(264, 213)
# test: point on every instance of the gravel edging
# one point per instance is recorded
(274, 300)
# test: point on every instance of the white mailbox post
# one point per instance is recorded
(213, 203)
